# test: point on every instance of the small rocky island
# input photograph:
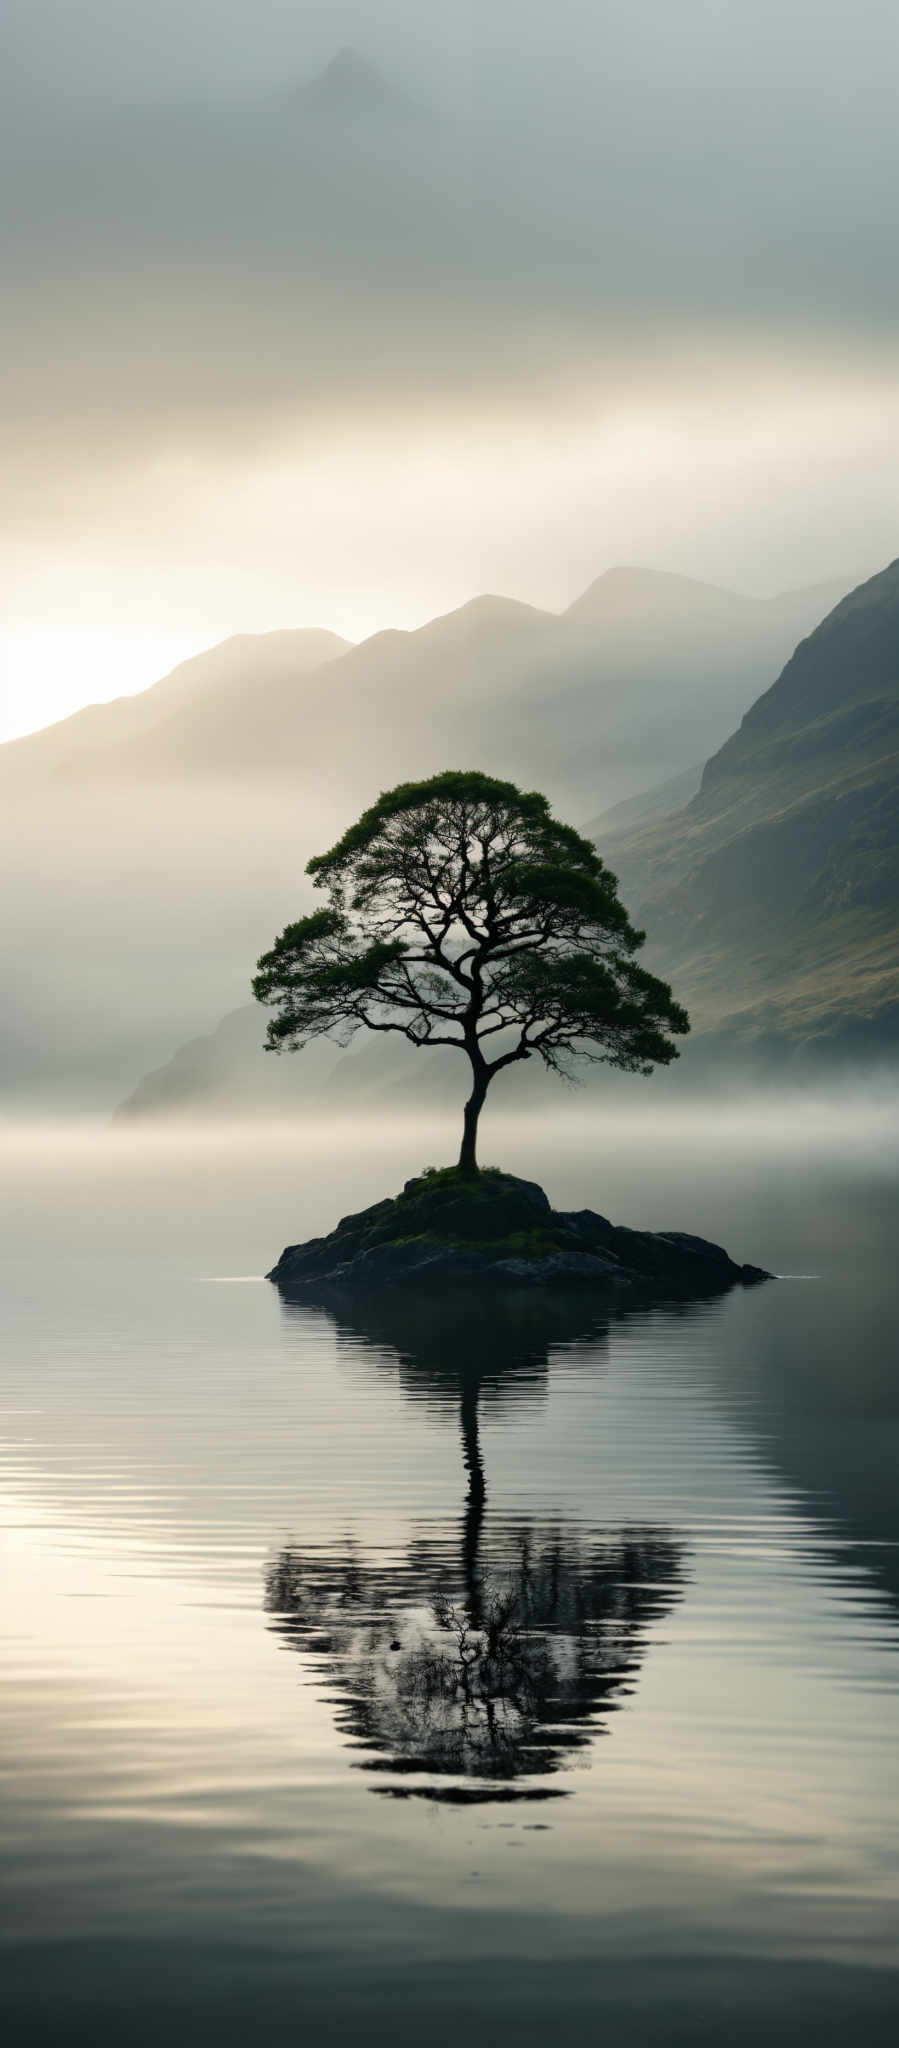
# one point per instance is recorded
(491, 1229)
(461, 913)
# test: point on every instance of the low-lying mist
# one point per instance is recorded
(792, 1180)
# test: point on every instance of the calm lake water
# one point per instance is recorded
(384, 1677)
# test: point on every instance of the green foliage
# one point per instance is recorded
(455, 787)
(462, 913)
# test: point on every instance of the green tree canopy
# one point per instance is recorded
(462, 913)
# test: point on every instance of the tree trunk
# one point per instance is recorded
(468, 1161)
(477, 1495)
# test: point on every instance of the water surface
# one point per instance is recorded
(384, 1675)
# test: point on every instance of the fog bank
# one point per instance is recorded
(795, 1181)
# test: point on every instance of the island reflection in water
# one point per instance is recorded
(477, 1668)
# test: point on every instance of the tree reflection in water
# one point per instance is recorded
(485, 1661)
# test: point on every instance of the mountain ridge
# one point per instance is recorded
(775, 891)
(501, 644)
(148, 855)
(310, 646)
(770, 898)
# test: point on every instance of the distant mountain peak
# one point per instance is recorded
(349, 88)
(629, 588)
(488, 611)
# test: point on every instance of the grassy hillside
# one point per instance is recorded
(773, 897)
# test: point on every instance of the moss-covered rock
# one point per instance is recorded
(450, 1227)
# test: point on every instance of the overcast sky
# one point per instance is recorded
(597, 283)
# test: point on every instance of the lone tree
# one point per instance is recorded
(462, 913)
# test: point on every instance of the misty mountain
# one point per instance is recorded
(350, 88)
(588, 218)
(640, 678)
(153, 846)
(657, 802)
(773, 897)
(228, 1073)
(197, 697)
(536, 313)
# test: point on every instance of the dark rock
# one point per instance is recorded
(477, 1208)
(491, 1228)
(752, 1275)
